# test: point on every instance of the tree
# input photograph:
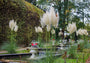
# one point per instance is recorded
(70, 11)
(32, 1)
(82, 10)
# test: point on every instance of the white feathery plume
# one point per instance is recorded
(46, 19)
(71, 28)
(42, 23)
(16, 28)
(82, 32)
(50, 18)
(79, 32)
(13, 25)
(53, 31)
(54, 17)
(60, 33)
(38, 29)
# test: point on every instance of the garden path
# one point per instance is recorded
(3, 51)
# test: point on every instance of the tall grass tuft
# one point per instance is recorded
(10, 47)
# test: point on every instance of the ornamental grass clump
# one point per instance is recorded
(84, 44)
(14, 28)
(39, 30)
(72, 28)
(49, 20)
(11, 45)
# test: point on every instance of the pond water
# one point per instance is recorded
(23, 59)
(40, 57)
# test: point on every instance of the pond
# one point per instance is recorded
(24, 57)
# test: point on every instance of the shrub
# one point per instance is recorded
(26, 15)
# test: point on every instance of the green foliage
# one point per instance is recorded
(86, 50)
(79, 24)
(87, 45)
(81, 57)
(41, 2)
(26, 16)
(23, 51)
(72, 51)
(33, 8)
(88, 29)
(10, 47)
(81, 46)
(49, 59)
(84, 45)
